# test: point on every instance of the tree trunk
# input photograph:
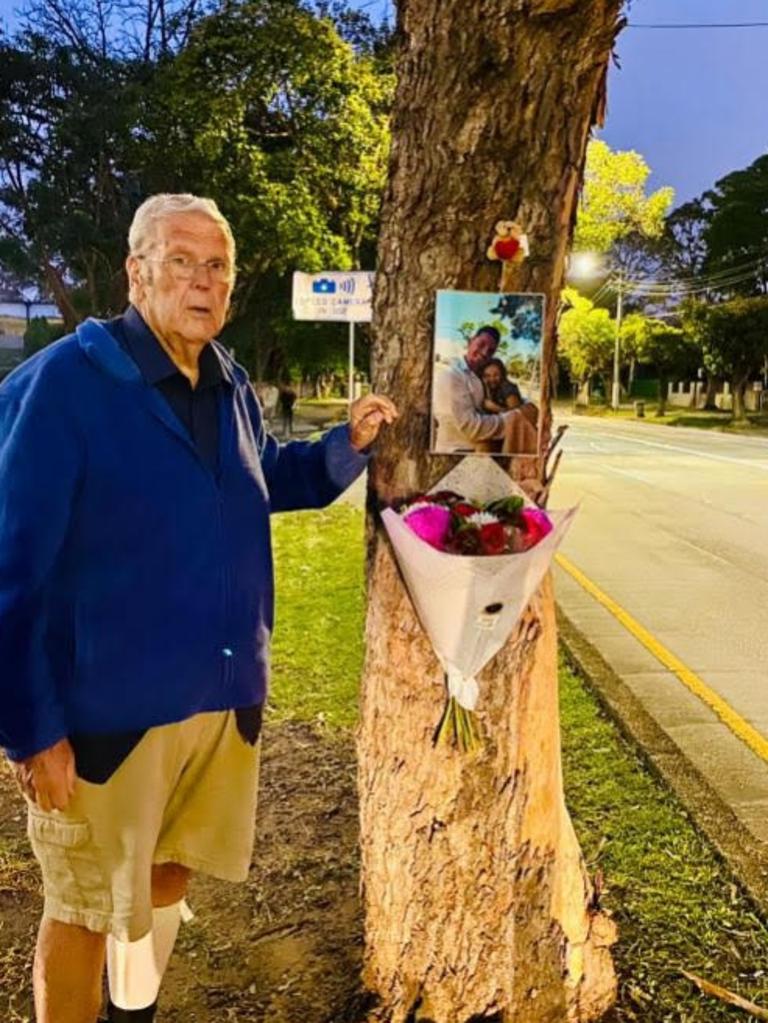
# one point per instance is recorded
(661, 408)
(710, 405)
(738, 389)
(61, 297)
(477, 903)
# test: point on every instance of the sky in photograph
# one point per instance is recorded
(455, 308)
(691, 101)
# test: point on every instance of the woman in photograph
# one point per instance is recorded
(500, 393)
(503, 395)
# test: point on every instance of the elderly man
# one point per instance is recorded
(136, 482)
(462, 426)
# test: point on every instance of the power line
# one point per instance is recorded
(714, 24)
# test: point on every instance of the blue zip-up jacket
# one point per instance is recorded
(135, 586)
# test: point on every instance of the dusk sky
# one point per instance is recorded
(692, 101)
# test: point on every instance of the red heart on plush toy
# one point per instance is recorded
(506, 248)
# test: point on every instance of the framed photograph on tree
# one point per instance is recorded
(486, 373)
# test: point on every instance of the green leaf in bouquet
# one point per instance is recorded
(506, 508)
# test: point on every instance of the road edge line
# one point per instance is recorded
(743, 852)
(731, 718)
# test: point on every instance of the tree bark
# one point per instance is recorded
(710, 405)
(477, 902)
(738, 390)
(661, 408)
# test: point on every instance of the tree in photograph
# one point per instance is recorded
(734, 341)
(477, 902)
(587, 338)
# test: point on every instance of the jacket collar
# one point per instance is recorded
(103, 349)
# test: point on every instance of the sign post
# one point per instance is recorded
(351, 361)
(337, 296)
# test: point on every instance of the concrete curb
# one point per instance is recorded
(746, 855)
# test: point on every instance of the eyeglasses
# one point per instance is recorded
(183, 268)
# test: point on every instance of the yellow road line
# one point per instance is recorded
(737, 724)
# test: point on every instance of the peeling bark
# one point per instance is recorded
(477, 902)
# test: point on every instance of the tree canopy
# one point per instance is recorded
(736, 233)
(587, 336)
(276, 109)
(734, 341)
(614, 202)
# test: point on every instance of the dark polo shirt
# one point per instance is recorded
(98, 756)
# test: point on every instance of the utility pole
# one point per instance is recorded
(616, 390)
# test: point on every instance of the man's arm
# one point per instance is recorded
(472, 423)
(41, 462)
(311, 474)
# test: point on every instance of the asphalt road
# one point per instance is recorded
(674, 528)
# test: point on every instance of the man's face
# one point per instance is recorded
(192, 310)
(481, 348)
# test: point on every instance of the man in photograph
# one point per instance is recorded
(462, 426)
(136, 607)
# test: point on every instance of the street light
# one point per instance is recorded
(584, 265)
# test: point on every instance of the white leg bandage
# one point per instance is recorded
(135, 968)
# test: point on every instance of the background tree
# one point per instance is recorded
(734, 342)
(614, 203)
(477, 902)
(587, 337)
(71, 83)
(670, 350)
(736, 234)
(260, 104)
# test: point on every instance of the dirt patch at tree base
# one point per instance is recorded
(285, 946)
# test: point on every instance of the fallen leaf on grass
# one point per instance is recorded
(726, 996)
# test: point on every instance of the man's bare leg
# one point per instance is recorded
(69, 962)
(69, 959)
(169, 883)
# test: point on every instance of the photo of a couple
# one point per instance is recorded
(486, 373)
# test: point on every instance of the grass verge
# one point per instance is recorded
(755, 425)
(676, 903)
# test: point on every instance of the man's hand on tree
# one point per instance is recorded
(48, 777)
(366, 417)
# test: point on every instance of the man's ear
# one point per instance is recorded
(133, 269)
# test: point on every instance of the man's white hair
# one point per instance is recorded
(141, 235)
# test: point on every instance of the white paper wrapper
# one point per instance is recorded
(452, 593)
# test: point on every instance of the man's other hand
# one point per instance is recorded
(48, 777)
(366, 417)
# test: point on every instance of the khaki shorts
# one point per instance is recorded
(185, 794)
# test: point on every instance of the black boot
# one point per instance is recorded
(115, 1015)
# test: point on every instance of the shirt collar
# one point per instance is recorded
(154, 362)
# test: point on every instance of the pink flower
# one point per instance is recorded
(432, 524)
(536, 524)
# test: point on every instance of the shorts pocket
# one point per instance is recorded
(72, 874)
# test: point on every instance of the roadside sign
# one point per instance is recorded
(344, 297)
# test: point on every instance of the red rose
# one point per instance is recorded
(462, 508)
(493, 538)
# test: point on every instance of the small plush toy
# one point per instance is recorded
(510, 247)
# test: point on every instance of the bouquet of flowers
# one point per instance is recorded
(472, 551)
